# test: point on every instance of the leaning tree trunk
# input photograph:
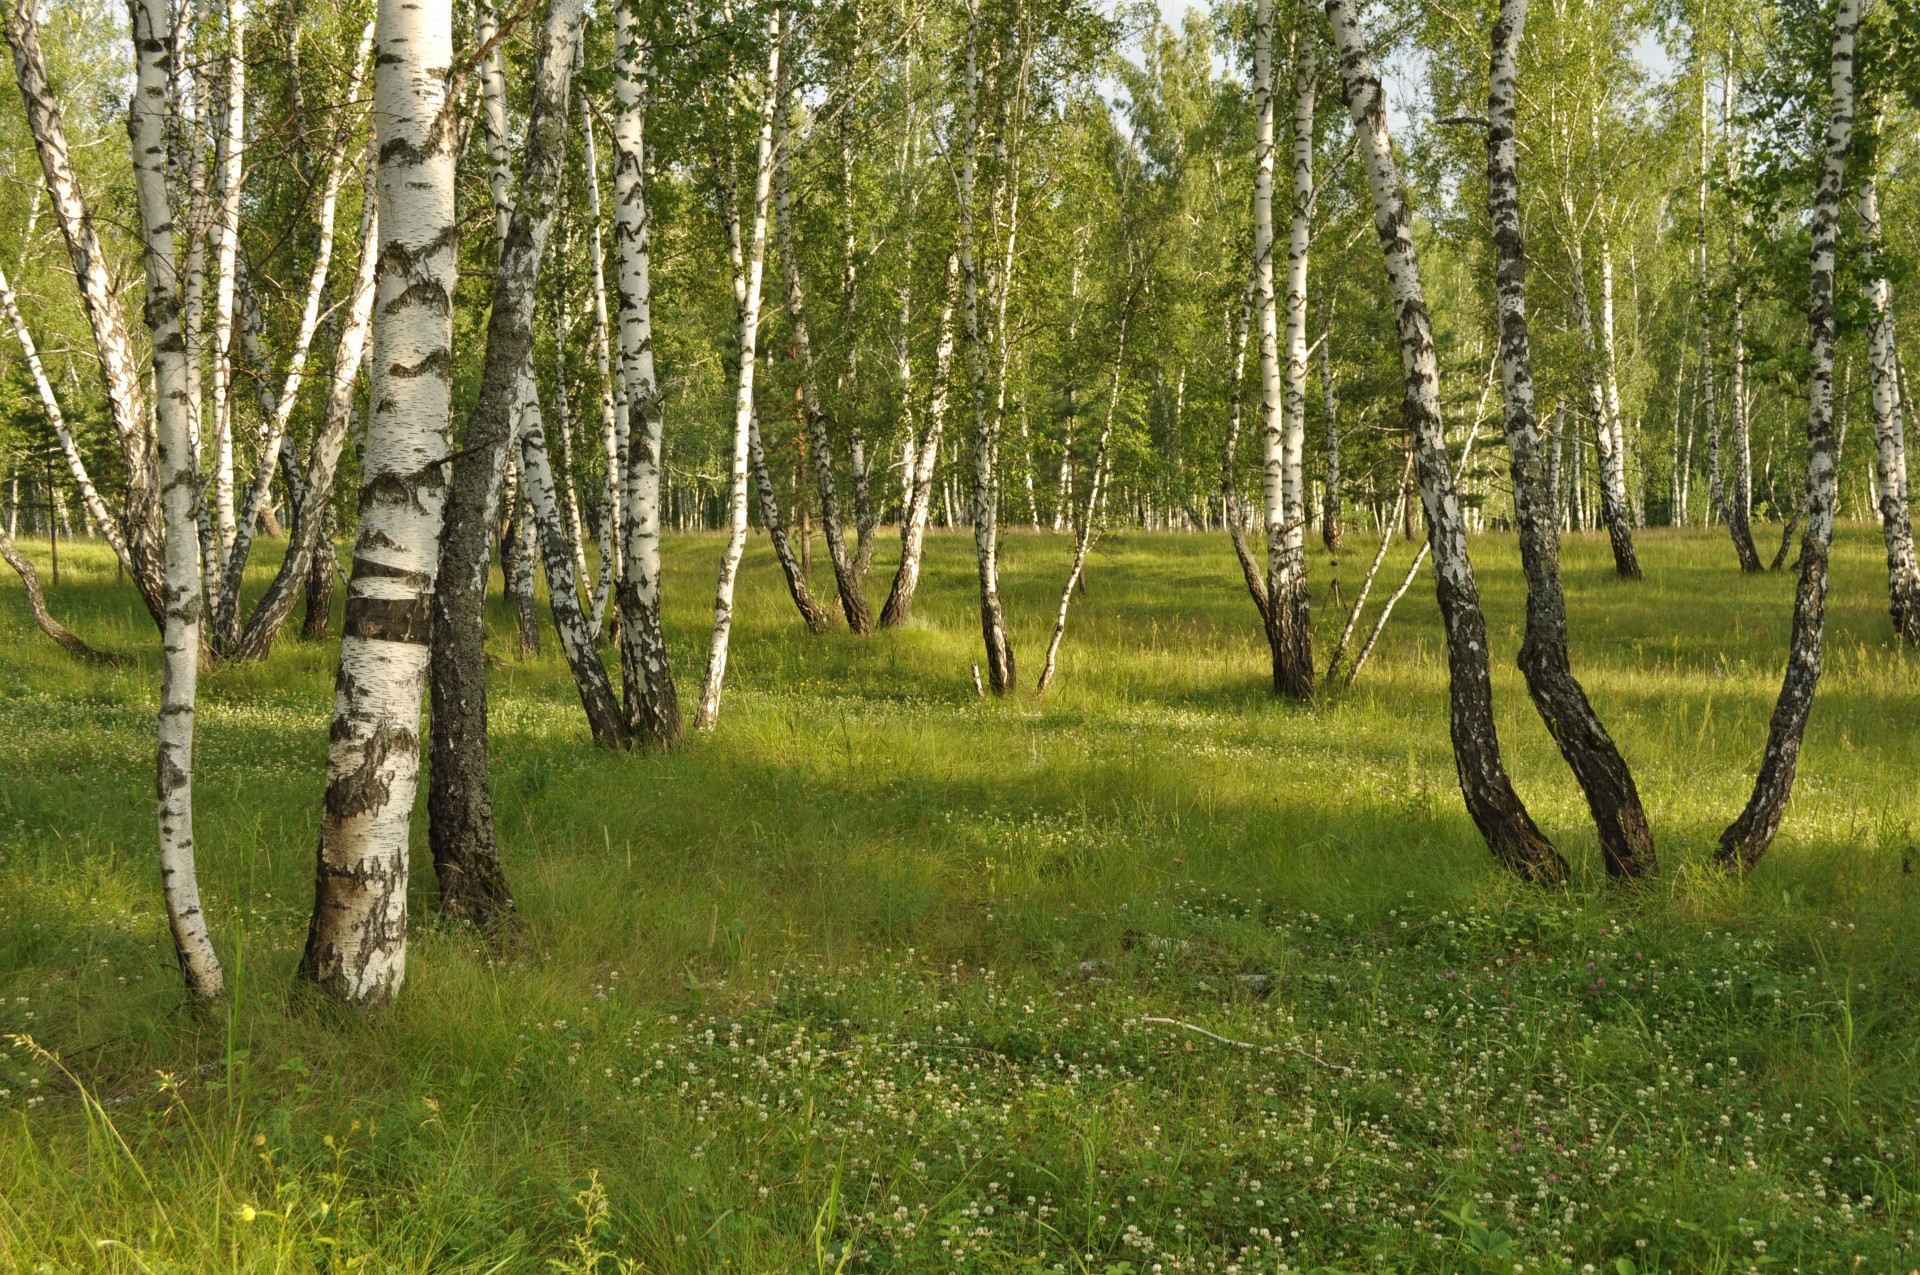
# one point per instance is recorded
(100, 296)
(466, 852)
(1739, 501)
(1613, 486)
(1626, 840)
(846, 577)
(922, 461)
(1490, 798)
(180, 639)
(66, 638)
(1747, 838)
(707, 713)
(986, 514)
(652, 703)
(357, 940)
(1229, 463)
(1889, 436)
(307, 561)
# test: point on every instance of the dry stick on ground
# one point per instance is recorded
(1747, 838)
(1316, 1059)
(1419, 559)
(37, 603)
(1497, 811)
(1626, 841)
(1373, 571)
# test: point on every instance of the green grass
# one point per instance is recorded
(858, 981)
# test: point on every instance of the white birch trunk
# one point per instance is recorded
(1747, 838)
(226, 262)
(707, 714)
(147, 130)
(1889, 434)
(356, 942)
(652, 703)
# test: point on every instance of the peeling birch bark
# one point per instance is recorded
(357, 939)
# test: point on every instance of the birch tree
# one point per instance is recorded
(1496, 809)
(1746, 839)
(179, 486)
(1889, 435)
(1626, 841)
(466, 854)
(652, 704)
(357, 939)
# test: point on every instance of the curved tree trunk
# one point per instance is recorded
(147, 131)
(749, 270)
(1626, 840)
(1490, 798)
(100, 294)
(1235, 518)
(1747, 838)
(357, 939)
(68, 640)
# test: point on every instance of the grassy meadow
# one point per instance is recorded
(863, 980)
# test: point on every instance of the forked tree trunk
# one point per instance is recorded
(357, 940)
(1490, 798)
(466, 852)
(1889, 434)
(750, 272)
(180, 639)
(986, 513)
(922, 461)
(846, 577)
(1626, 840)
(652, 704)
(100, 296)
(307, 561)
(1747, 838)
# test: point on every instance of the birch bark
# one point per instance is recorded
(100, 295)
(919, 503)
(1626, 840)
(466, 852)
(1747, 838)
(356, 941)
(846, 579)
(232, 164)
(652, 703)
(180, 640)
(707, 712)
(1495, 807)
(1889, 435)
(1289, 615)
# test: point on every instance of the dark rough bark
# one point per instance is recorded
(317, 619)
(1496, 809)
(37, 603)
(466, 855)
(1747, 838)
(1626, 840)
